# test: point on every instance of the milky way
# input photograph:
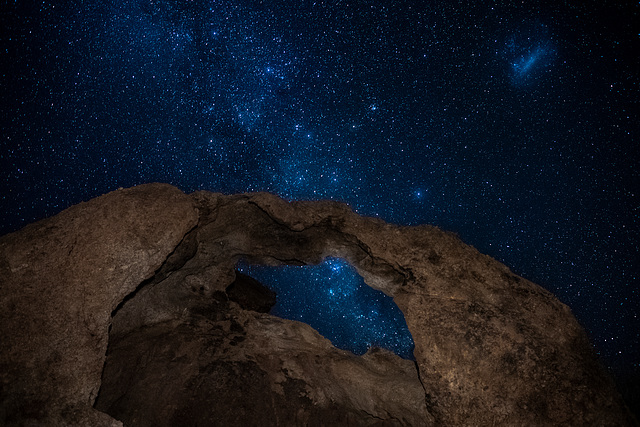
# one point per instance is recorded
(509, 124)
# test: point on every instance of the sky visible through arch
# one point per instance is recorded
(338, 304)
(513, 124)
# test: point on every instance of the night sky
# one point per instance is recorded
(513, 124)
(338, 304)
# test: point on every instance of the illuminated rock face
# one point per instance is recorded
(60, 280)
(186, 348)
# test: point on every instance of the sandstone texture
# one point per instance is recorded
(150, 272)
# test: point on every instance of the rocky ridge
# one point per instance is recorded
(150, 273)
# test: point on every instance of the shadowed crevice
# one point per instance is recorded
(183, 252)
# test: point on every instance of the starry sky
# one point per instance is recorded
(513, 124)
(338, 304)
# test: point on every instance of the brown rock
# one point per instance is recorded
(226, 366)
(491, 348)
(61, 279)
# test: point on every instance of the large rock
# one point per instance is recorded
(186, 348)
(221, 365)
(61, 278)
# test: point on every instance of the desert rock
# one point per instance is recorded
(149, 271)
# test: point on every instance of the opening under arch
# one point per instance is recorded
(334, 299)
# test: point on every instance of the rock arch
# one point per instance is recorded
(491, 347)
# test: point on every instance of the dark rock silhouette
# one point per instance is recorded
(151, 272)
(251, 294)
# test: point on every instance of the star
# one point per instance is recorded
(508, 123)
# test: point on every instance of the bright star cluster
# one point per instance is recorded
(513, 124)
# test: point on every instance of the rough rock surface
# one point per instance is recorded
(221, 365)
(186, 348)
(60, 280)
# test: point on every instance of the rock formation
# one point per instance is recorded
(149, 272)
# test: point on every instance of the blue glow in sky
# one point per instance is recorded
(525, 63)
(531, 54)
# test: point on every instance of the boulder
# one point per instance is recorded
(61, 278)
(191, 342)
